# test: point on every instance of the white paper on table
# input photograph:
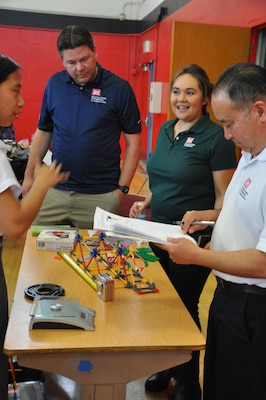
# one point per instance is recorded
(136, 228)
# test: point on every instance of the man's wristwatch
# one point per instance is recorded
(124, 189)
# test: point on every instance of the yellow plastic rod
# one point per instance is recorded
(78, 269)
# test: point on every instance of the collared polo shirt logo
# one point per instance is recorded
(247, 183)
(189, 142)
(243, 191)
(96, 92)
(96, 96)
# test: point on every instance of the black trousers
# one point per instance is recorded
(235, 357)
(188, 281)
(3, 326)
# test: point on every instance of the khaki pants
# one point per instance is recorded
(62, 207)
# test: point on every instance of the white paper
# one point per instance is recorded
(136, 228)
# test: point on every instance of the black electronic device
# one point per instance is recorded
(124, 189)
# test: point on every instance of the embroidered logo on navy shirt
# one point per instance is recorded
(243, 191)
(96, 96)
(96, 92)
(189, 142)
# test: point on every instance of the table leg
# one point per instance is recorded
(100, 392)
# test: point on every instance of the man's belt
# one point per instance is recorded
(240, 287)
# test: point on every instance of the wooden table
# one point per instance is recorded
(135, 335)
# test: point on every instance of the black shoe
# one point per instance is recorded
(160, 381)
(186, 392)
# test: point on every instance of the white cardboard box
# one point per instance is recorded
(56, 239)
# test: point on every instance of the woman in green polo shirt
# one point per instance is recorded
(190, 168)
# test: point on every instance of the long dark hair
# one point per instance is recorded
(7, 66)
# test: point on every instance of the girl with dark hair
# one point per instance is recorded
(15, 216)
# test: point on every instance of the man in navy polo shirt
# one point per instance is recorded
(84, 110)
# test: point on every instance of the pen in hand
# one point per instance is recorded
(209, 223)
